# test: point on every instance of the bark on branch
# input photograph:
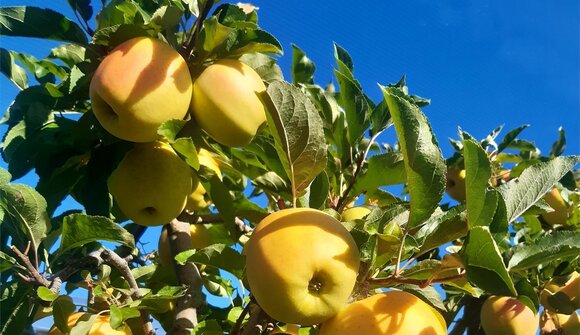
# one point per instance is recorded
(186, 308)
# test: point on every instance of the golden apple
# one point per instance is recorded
(355, 213)
(200, 238)
(571, 288)
(225, 102)
(301, 265)
(508, 316)
(456, 184)
(100, 326)
(560, 213)
(151, 184)
(393, 313)
(196, 199)
(141, 84)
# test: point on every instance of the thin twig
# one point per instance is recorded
(114, 260)
(358, 169)
(190, 43)
(420, 283)
(30, 269)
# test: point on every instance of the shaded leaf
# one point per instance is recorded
(79, 229)
(299, 137)
(534, 182)
(11, 70)
(383, 170)
(484, 264)
(40, 23)
(424, 163)
(302, 67)
(559, 245)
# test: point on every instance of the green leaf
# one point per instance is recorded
(46, 294)
(527, 294)
(254, 40)
(510, 137)
(16, 308)
(484, 264)
(11, 70)
(319, 191)
(443, 228)
(223, 201)
(62, 308)
(481, 203)
(218, 255)
(5, 177)
(70, 54)
(383, 170)
(264, 65)
(118, 12)
(559, 245)
(79, 229)
(185, 147)
(424, 163)
(83, 7)
(84, 324)
(27, 208)
(302, 67)
(534, 182)
(299, 137)
(119, 315)
(214, 34)
(559, 146)
(356, 107)
(207, 327)
(6, 261)
(427, 294)
(40, 23)
(343, 60)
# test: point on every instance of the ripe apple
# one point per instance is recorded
(151, 184)
(456, 184)
(225, 102)
(570, 288)
(355, 213)
(561, 324)
(196, 199)
(393, 313)
(301, 265)
(508, 316)
(560, 213)
(200, 238)
(100, 326)
(141, 84)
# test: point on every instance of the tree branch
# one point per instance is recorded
(30, 269)
(186, 314)
(259, 321)
(114, 260)
(190, 43)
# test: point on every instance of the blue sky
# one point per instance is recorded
(483, 63)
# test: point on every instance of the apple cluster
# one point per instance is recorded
(143, 83)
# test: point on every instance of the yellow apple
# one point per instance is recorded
(141, 84)
(561, 324)
(196, 199)
(560, 213)
(200, 238)
(225, 102)
(570, 288)
(355, 213)
(100, 326)
(508, 316)
(301, 265)
(151, 184)
(393, 313)
(456, 184)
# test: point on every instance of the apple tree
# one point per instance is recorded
(175, 113)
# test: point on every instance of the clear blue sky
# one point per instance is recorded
(483, 63)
